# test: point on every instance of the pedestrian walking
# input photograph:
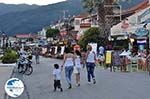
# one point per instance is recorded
(68, 63)
(116, 60)
(77, 67)
(101, 59)
(90, 64)
(83, 58)
(36, 53)
(101, 50)
(57, 77)
(30, 54)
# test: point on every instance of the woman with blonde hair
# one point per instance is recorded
(90, 64)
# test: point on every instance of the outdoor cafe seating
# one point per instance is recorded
(134, 63)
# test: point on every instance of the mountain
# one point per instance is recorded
(8, 8)
(129, 4)
(35, 19)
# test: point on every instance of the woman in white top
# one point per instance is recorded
(77, 67)
(68, 63)
(90, 64)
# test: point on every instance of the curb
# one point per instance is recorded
(8, 65)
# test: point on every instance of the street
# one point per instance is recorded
(5, 72)
(110, 85)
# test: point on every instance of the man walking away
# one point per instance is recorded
(37, 55)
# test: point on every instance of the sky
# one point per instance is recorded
(38, 2)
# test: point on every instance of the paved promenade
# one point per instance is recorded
(110, 85)
(5, 73)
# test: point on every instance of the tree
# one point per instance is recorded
(103, 10)
(52, 32)
(90, 36)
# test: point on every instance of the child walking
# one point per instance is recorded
(77, 67)
(57, 77)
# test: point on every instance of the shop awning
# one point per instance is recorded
(117, 30)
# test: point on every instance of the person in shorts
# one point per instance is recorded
(57, 77)
(77, 67)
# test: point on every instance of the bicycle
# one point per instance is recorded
(24, 66)
(21, 67)
(29, 68)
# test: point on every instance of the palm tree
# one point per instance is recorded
(103, 21)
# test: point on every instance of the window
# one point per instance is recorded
(77, 22)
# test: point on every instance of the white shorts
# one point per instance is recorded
(76, 70)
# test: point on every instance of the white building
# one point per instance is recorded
(84, 22)
(134, 21)
(77, 22)
(42, 33)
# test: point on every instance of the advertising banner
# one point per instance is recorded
(108, 57)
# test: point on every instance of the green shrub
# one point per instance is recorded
(1, 57)
(10, 56)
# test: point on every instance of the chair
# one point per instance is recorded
(134, 63)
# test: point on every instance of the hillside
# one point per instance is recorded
(128, 4)
(9, 8)
(33, 20)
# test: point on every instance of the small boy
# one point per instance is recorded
(57, 77)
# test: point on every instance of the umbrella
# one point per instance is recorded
(124, 53)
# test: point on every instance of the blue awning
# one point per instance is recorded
(140, 32)
(146, 21)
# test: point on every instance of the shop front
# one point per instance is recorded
(139, 39)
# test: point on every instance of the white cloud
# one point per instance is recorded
(39, 2)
